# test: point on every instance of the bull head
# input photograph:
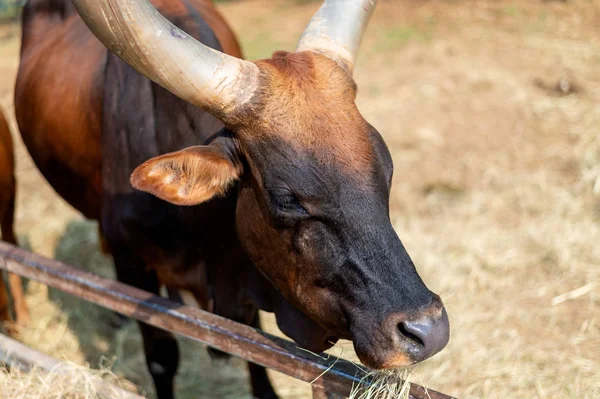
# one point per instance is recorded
(312, 176)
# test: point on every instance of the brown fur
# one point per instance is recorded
(71, 106)
(307, 101)
(60, 120)
(56, 120)
(64, 136)
(7, 209)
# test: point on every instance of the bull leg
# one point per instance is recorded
(160, 347)
(117, 320)
(162, 359)
(103, 243)
(175, 295)
(18, 296)
(225, 303)
(259, 380)
(5, 317)
(14, 281)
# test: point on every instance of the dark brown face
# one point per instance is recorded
(313, 216)
(313, 213)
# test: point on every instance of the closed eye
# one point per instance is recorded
(286, 204)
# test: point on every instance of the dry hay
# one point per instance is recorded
(65, 381)
(389, 384)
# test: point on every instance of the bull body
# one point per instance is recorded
(8, 189)
(88, 119)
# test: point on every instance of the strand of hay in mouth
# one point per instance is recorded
(387, 384)
(65, 381)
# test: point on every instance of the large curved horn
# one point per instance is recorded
(337, 29)
(135, 31)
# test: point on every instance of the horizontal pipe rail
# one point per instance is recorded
(330, 376)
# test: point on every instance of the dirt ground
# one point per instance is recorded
(491, 110)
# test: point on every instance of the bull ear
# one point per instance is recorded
(187, 177)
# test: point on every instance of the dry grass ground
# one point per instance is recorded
(492, 112)
(66, 380)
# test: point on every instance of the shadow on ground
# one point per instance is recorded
(101, 343)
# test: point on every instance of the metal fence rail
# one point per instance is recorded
(331, 377)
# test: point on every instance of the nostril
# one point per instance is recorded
(417, 338)
(410, 333)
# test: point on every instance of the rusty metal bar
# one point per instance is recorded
(333, 375)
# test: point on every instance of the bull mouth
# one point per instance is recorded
(390, 361)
